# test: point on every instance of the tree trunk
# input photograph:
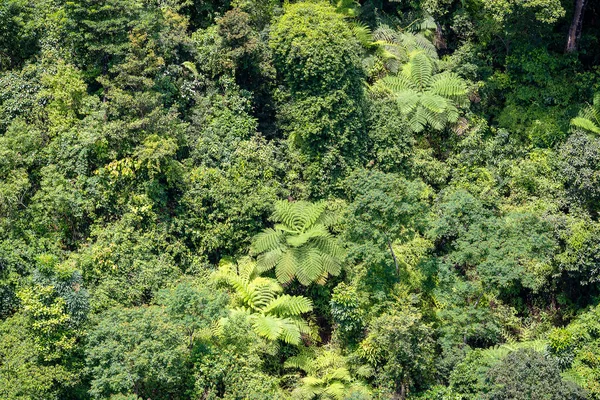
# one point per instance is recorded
(576, 25)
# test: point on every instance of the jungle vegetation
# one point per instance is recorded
(299, 199)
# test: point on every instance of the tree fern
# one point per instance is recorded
(300, 245)
(327, 375)
(425, 97)
(273, 315)
(588, 119)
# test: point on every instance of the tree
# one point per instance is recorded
(138, 351)
(321, 101)
(526, 374)
(300, 245)
(273, 315)
(576, 26)
(426, 97)
(383, 209)
(399, 348)
(579, 166)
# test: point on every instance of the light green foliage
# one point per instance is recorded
(23, 372)
(589, 118)
(272, 314)
(576, 348)
(327, 377)
(301, 244)
(232, 368)
(425, 96)
(384, 209)
(138, 351)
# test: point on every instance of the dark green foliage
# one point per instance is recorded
(137, 351)
(580, 157)
(527, 374)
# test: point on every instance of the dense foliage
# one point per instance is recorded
(299, 199)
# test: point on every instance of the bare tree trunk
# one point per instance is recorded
(576, 25)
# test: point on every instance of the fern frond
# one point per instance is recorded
(268, 260)
(398, 84)
(314, 232)
(419, 69)
(329, 245)
(434, 103)
(450, 85)
(585, 124)
(266, 240)
(287, 266)
(331, 265)
(262, 291)
(302, 361)
(267, 326)
(311, 267)
(363, 34)
(337, 390)
(286, 305)
(290, 333)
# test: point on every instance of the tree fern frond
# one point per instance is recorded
(311, 267)
(266, 240)
(398, 84)
(287, 266)
(330, 246)
(585, 124)
(331, 265)
(314, 232)
(450, 85)
(267, 326)
(419, 69)
(337, 390)
(290, 333)
(267, 261)
(363, 34)
(287, 305)
(302, 361)
(434, 103)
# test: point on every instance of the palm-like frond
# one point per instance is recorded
(419, 70)
(300, 243)
(586, 124)
(449, 85)
(327, 374)
(399, 84)
(273, 315)
(268, 326)
(425, 97)
(287, 266)
(311, 266)
(266, 240)
(588, 119)
(287, 305)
